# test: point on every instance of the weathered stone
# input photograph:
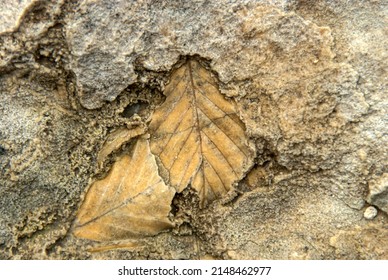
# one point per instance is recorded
(370, 213)
(378, 192)
(12, 13)
(106, 46)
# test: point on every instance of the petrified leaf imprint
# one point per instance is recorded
(197, 135)
(198, 140)
(116, 139)
(131, 201)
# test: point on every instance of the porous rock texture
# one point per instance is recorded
(309, 79)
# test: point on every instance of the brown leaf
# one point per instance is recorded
(131, 201)
(116, 139)
(197, 135)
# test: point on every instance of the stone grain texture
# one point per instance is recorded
(310, 82)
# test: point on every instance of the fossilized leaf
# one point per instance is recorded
(197, 135)
(116, 139)
(131, 201)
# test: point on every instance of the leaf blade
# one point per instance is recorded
(197, 135)
(131, 201)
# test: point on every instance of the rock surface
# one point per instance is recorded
(309, 81)
(370, 213)
(378, 192)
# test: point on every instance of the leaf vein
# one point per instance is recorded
(212, 122)
(215, 171)
(221, 152)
